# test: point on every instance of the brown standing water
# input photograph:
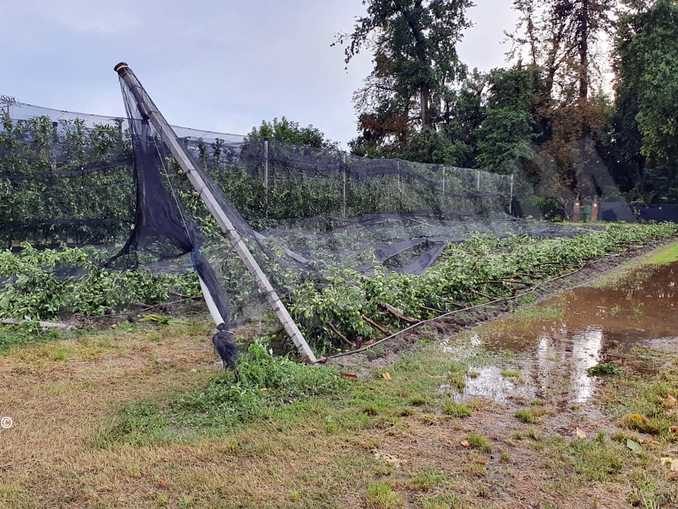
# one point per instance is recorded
(557, 341)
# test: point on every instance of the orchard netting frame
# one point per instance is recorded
(306, 213)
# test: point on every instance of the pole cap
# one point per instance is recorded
(120, 66)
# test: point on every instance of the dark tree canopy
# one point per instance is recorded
(415, 65)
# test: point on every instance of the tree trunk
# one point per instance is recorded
(425, 99)
(584, 50)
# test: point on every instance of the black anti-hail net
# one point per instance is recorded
(306, 213)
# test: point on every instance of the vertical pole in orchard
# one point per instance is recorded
(266, 174)
(510, 207)
(151, 113)
(343, 190)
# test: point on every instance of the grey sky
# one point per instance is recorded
(219, 65)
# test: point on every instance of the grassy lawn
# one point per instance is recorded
(140, 416)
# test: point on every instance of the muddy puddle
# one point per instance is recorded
(553, 344)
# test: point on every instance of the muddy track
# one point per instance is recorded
(364, 362)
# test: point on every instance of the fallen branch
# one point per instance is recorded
(449, 313)
(376, 325)
(336, 331)
(397, 313)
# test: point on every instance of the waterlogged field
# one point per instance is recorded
(569, 402)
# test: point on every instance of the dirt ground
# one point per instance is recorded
(503, 414)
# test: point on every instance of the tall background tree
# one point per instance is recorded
(644, 139)
(552, 114)
(409, 93)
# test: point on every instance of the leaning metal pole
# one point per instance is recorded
(148, 108)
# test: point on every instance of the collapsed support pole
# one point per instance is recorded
(151, 112)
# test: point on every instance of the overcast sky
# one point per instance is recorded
(209, 64)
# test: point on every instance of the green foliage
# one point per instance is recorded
(428, 479)
(598, 459)
(287, 131)
(18, 335)
(416, 66)
(381, 495)
(456, 409)
(264, 385)
(604, 369)
(479, 442)
(508, 130)
(36, 204)
(646, 117)
(470, 272)
(35, 284)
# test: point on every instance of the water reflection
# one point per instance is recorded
(555, 350)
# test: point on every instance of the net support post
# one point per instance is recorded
(343, 187)
(266, 173)
(148, 108)
(211, 305)
(510, 207)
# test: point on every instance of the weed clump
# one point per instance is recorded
(382, 496)
(479, 442)
(638, 422)
(530, 415)
(456, 409)
(427, 479)
(604, 369)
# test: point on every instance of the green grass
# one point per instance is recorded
(604, 369)
(456, 409)
(510, 373)
(381, 495)
(599, 459)
(665, 255)
(457, 375)
(12, 336)
(265, 384)
(527, 416)
(479, 442)
(428, 479)
(446, 501)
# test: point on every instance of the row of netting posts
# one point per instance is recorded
(355, 185)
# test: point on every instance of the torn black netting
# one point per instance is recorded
(161, 226)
